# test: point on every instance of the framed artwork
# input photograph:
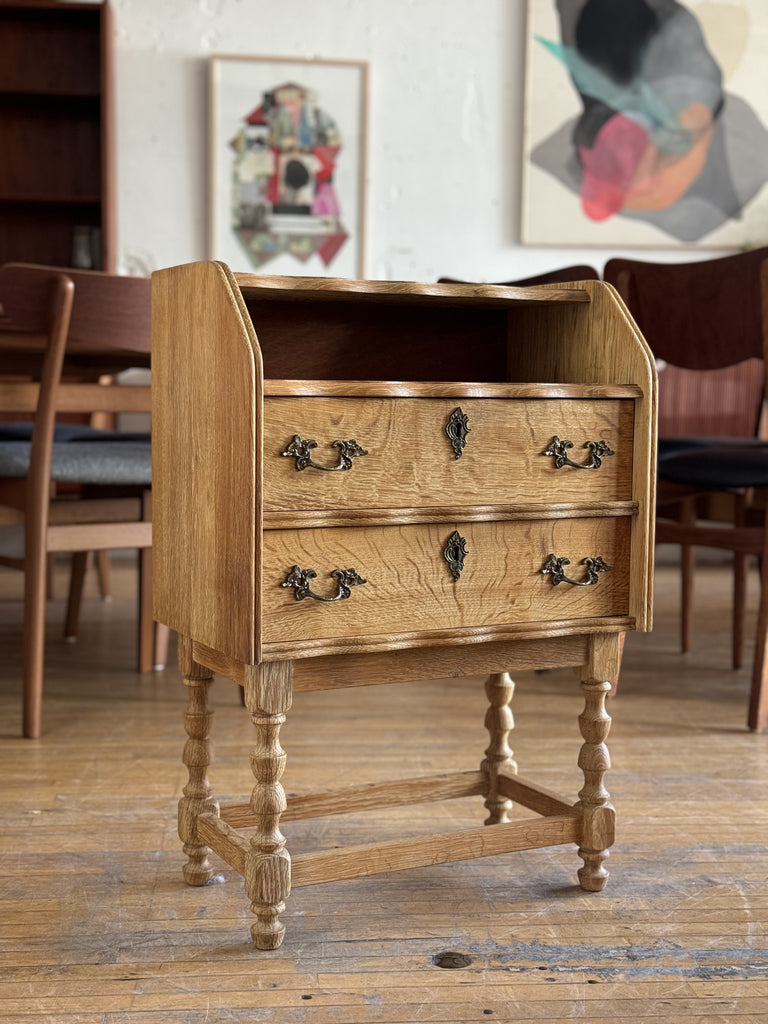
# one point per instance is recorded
(645, 123)
(288, 165)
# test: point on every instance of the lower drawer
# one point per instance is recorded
(409, 583)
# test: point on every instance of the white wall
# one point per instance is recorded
(445, 127)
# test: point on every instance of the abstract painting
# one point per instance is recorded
(287, 165)
(646, 123)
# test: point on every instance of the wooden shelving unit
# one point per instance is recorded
(57, 130)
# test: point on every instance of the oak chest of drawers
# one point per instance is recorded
(366, 482)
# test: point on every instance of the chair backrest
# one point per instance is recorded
(708, 322)
(37, 305)
(109, 330)
(578, 272)
(110, 311)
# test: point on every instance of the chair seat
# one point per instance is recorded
(105, 462)
(727, 466)
(667, 447)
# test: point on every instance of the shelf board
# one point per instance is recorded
(48, 97)
(49, 200)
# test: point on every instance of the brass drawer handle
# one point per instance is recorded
(457, 429)
(301, 451)
(299, 578)
(559, 449)
(554, 566)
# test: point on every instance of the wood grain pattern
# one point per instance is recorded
(297, 289)
(95, 923)
(432, 640)
(499, 721)
(268, 863)
(453, 657)
(206, 446)
(464, 844)
(604, 345)
(314, 519)
(265, 535)
(368, 796)
(87, 398)
(410, 457)
(409, 585)
(530, 794)
(441, 389)
(224, 840)
(197, 796)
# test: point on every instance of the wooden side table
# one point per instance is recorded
(465, 473)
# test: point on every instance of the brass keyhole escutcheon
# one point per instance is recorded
(457, 429)
(454, 552)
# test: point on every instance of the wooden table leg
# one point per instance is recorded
(594, 760)
(499, 721)
(268, 863)
(198, 794)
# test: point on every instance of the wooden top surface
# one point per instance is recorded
(261, 287)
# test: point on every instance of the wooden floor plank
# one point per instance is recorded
(96, 926)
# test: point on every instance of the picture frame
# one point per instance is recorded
(657, 140)
(287, 164)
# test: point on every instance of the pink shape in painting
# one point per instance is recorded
(283, 194)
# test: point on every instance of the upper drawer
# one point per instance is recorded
(410, 461)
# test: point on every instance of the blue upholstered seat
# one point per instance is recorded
(669, 447)
(734, 463)
(106, 461)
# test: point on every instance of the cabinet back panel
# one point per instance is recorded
(381, 341)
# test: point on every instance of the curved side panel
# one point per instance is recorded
(206, 439)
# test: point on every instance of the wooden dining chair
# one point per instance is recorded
(63, 330)
(707, 325)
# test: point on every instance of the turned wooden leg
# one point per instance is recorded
(594, 799)
(268, 863)
(198, 795)
(498, 757)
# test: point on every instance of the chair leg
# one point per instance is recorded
(49, 574)
(160, 656)
(757, 717)
(35, 588)
(146, 622)
(739, 585)
(76, 580)
(104, 571)
(687, 568)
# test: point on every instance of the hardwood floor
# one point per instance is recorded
(97, 927)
